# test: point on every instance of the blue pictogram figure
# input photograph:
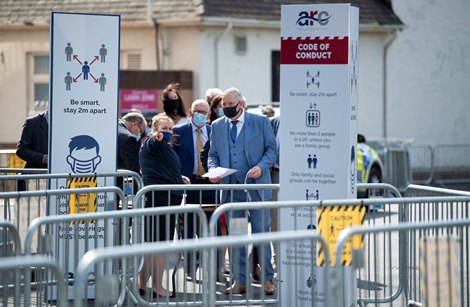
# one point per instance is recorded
(85, 70)
(83, 155)
(309, 161)
(314, 160)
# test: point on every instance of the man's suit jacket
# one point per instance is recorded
(260, 148)
(33, 144)
(184, 147)
(128, 150)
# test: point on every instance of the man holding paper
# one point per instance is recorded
(245, 142)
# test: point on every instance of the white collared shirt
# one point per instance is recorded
(205, 137)
(241, 122)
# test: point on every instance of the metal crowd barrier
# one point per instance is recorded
(22, 208)
(17, 293)
(411, 270)
(10, 243)
(133, 255)
(442, 165)
(414, 190)
(375, 282)
(132, 236)
(21, 179)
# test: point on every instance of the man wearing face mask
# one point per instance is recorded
(190, 139)
(245, 142)
(131, 127)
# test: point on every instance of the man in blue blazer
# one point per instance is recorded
(188, 150)
(245, 142)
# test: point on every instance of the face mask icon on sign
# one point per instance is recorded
(83, 154)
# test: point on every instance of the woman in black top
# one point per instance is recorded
(159, 164)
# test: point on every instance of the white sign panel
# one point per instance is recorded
(319, 48)
(83, 117)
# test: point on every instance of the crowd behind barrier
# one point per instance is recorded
(391, 258)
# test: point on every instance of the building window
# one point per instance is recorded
(241, 44)
(38, 94)
(131, 60)
(275, 74)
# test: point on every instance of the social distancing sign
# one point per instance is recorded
(331, 221)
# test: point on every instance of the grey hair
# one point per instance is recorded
(236, 92)
(211, 93)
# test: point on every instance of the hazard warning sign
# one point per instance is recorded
(331, 221)
(83, 202)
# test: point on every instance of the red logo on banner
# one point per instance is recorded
(314, 51)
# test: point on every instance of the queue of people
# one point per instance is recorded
(179, 148)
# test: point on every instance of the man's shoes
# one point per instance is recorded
(235, 288)
(256, 272)
(268, 287)
(221, 278)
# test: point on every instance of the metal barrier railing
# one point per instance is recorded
(109, 219)
(10, 243)
(17, 292)
(39, 179)
(411, 270)
(395, 210)
(414, 190)
(206, 244)
(442, 165)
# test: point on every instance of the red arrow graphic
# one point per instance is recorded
(94, 59)
(75, 79)
(96, 80)
(75, 57)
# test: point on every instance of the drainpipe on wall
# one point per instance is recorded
(228, 28)
(157, 42)
(389, 41)
(154, 24)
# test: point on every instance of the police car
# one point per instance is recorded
(369, 168)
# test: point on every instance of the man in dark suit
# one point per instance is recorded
(33, 144)
(190, 140)
(245, 142)
(131, 127)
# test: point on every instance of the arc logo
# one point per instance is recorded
(308, 19)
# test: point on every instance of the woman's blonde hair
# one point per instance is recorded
(158, 119)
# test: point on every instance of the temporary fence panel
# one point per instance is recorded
(21, 208)
(126, 226)
(422, 163)
(18, 293)
(414, 190)
(254, 296)
(438, 276)
(26, 179)
(442, 165)
(374, 282)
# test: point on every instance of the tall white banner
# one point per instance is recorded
(319, 70)
(83, 121)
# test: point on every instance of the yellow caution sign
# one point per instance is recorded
(331, 221)
(84, 202)
(15, 162)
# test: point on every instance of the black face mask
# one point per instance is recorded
(173, 103)
(231, 112)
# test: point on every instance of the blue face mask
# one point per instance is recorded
(199, 119)
(137, 136)
(167, 136)
(221, 112)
